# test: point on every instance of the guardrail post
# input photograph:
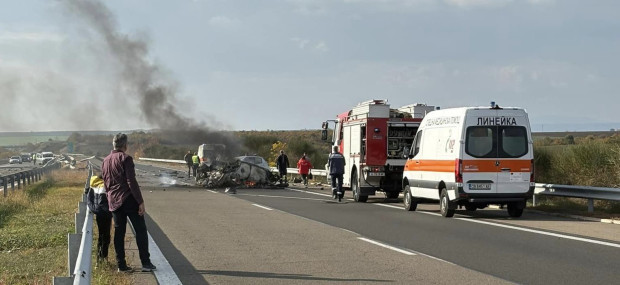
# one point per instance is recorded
(23, 174)
(74, 249)
(4, 186)
(12, 182)
(590, 205)
(28, 177)
(19, 180)
(62, 280)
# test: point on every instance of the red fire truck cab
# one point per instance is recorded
(375, 141)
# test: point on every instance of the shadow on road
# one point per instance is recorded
(286, 276)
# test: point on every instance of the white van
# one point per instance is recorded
(471, 157)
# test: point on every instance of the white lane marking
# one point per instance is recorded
(283, 197)
(430, 213)
(543, 233)
(164, 272)
(260, 206)
(389, 206)
(309, 192)
(212, 191)
(387, 246)
(518, 228)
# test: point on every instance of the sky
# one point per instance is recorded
(291, 64)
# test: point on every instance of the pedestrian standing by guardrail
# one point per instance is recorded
(98, 204)
(125, 198)
(282, 164)
(304, 166)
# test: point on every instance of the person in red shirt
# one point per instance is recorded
(125, 201)
(304, 166)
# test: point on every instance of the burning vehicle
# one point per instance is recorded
(242, 171)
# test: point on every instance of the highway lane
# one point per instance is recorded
(513, 255)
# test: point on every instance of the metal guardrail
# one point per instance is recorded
(573, 191)
(80, 244)
(23, 178)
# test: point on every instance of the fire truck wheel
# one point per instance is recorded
(410, 203)
(444, 204)
(356, 189)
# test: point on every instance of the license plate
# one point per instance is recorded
(376, 174)
(479, 186)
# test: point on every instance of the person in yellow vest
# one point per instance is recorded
(34, 159)
(196, 162)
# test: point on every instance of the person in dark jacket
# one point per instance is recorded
(336, 165)
(188, 161)
(125, 201)
(282, 164)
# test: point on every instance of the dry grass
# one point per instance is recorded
(34, 224)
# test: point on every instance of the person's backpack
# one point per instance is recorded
(97, 197)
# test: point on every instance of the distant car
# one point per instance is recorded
(26, 157)
(257, 160)
(44, 157)
(15, 159)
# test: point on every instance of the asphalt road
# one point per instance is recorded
(509, 254)
(284, 236)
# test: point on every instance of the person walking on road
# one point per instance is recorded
(195, 163)
(34, 159)
(282, 164)
(188, 161)
(125, 201)
(336, 165)
(304, 166)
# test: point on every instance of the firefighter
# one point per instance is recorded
(188, 160)
(304, 166)
(282, 164)
(336, 171)
(195, 161)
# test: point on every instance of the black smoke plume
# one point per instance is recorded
(143, 81)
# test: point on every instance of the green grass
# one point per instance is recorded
(34, 224)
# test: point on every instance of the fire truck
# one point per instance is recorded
(375, 141)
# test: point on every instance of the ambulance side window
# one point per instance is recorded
(417, 142)
(479, 141)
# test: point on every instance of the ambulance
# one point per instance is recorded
(471, 157)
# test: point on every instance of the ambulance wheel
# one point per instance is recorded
(410, 203)
(444, 204)
(355, 188)
(514, 210)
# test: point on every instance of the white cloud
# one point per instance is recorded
(321, 47)
(541, 2)
(478, 3)
(30, 37)
(223, 21)
(303, 44)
